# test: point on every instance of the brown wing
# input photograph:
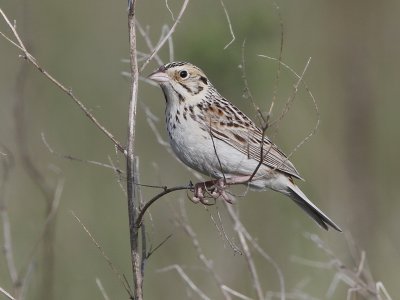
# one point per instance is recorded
(227, 123)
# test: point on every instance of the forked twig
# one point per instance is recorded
(301, 80)
(166, 37)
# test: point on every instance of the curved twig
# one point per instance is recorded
(140, 216)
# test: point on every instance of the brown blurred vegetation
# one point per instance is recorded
(350, 165)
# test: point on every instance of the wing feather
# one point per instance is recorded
(238, 131)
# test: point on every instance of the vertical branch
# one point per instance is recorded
(130, 156)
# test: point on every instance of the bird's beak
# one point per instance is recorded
(158, 76)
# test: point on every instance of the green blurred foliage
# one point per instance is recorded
(351, 164)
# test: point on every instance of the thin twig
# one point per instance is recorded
(104, 255)
(51, 214)
(170, 11)
(249, 260)
(229, 23)
(166, 191)
(7, 294)
(26, 55)
(258, 248)
(153, 250)
(148, 42)
(264, 121)
(278, 71)
(170, 46)
(215, 152)
(101, 289)
(184, 223)
(235, 293)
(293, 95)
(166, 37)
(302, 81)
(187, 280)
(73, 158)
(247, 91)
(222, 232)
(7, 164)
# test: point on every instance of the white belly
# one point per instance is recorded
(210, 156)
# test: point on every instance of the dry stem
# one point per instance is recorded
(27, 56)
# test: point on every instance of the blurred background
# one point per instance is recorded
(350, 165)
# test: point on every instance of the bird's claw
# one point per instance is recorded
(214, 188)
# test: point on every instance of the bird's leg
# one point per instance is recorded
(219, 190)
(216, 188)
(222, 183)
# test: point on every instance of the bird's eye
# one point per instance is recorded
(183, 74)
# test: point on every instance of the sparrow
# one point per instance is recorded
(212, 136)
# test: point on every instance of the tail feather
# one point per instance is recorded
(314, 212)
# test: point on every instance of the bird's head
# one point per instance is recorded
(180, 81)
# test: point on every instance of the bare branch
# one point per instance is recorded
(101, 289)
(148, 42)
(359, 279)
(104, 255)
(184, 223)
(52, 210)
(26, 55)
(169, 9)
(139, 220)
(187, 280)
(170, 46)
(165, 39)
(132, 198)
(249, 260)
(215, 152)
(278, 71)
(291, 98)
(7, 164)
(222, 231)
(7, 294)
(235, 293)
(153, 250)
(247, 91)
(257, 247)
(229, 23)
(301, 80)
(73, 158)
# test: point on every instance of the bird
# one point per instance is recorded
(211, 135)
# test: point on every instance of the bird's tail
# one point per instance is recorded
(314, 212)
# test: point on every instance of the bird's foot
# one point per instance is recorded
(211, 189)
